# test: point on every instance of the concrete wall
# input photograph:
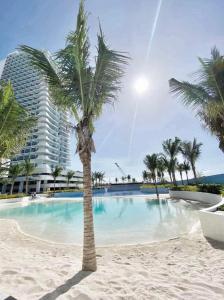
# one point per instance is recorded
(212, 221)
(196, 196)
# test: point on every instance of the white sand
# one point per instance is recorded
(185, 268)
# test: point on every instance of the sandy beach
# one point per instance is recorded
(184, 268)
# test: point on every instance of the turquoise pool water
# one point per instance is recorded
(118, 220)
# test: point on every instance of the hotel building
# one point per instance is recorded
(48, 143)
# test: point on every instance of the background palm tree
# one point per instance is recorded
(15, 123)
(168, 165)
(14, 172)
(28, 169)
(128, 177)
(206, 95)
(151, 162)
(171, 149)
(186, 168)
(191, 152)
(56, 172)
(145, 176)
(69, 176)
(180, 169)
(116, 180)
(83, 90)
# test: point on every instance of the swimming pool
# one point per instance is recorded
(118, 220)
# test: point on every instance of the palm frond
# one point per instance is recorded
(191, 94)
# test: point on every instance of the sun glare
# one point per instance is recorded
(141, 85)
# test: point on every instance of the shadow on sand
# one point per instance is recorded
(215, 244)
(62, 289)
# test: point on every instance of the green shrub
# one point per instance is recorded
(6, 196)
(152, 186)
(210, 188)
(187, 188)
(204, 188)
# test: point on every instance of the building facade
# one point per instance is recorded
(48, 143)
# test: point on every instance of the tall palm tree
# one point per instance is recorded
(145, 176)
(101, 177)
(151, 162)
(69, 176)
(56, 172)
(161, 168)
(128, 177)
(206, 94)
(168, 165)
(180, 169)
(83, 90)
(15, 123)
(116, 180)
(28, 169)
(191, 152)
(14, 172)
(171, 149)
(186, 168)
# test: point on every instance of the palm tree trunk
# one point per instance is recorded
(89, 252)
(171, 180)
(11, 189)
(181, 178)
(194, 172)
(157, 193)
(187, 177)
(26, 185)
(174, 178)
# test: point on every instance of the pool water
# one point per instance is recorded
(118, 220)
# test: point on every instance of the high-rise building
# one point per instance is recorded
(48, 143)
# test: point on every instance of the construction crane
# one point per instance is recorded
(119, 168)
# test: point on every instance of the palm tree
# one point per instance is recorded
(69, 176)
(168, 165)
(83, 90)
(186, 168)
(161, 168)
(151, 162)
(94, 178)
(28, 169)
(180, 169)
(191, 152)
(116, 180)
(56, 172)
(123, 179)
(128, 177)
(101, 177)
(14, 172)
(15, 123)
(206, 95)
(171, 149)
(145, 176)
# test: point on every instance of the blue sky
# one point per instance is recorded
(184, 31)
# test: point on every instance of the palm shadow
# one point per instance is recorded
(65, 287)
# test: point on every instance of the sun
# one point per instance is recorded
(141, 85)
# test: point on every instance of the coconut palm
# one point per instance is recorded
(128, 177)
(69, 176)
(28, 169)
(168, 165)
(151, 162)
(145, 176)
(101, 177)
(83, 89)
(56, 172)
(161, 168)
(14, 172)
(171, 149)
(206, 94)
(191, 152)
(15, 123)
(180, 169)
(186, 168)
(94, 178)
(116, 180)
